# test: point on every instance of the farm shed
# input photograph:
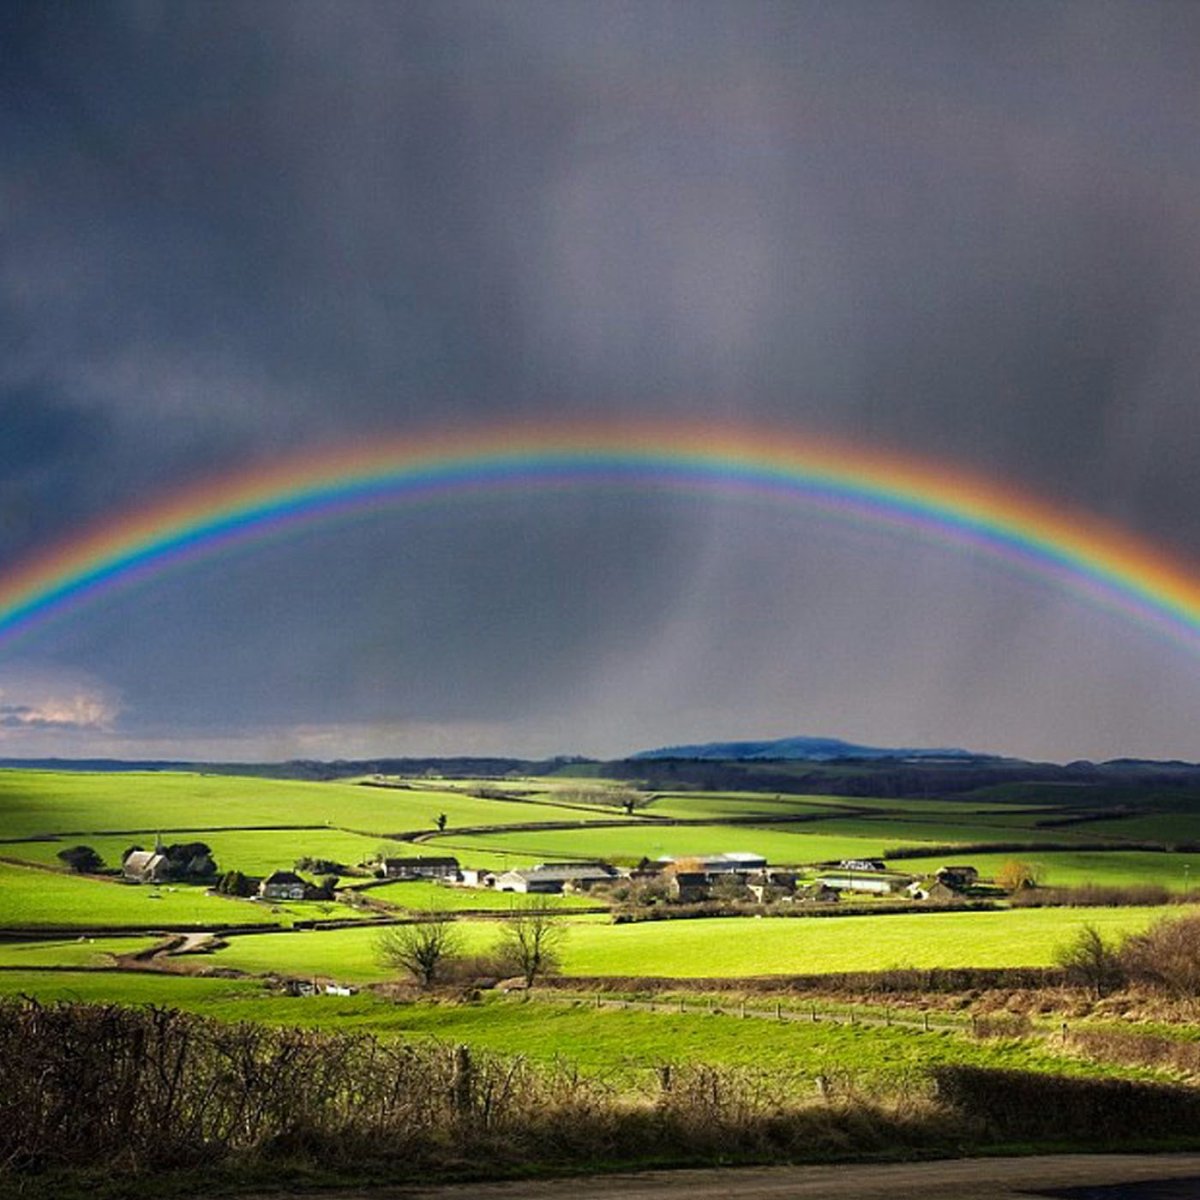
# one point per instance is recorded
(553, 878)
(420, 867)
(734, 862)
(873, 883)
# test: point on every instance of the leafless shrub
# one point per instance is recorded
(1092, 962)
(1166, 957)
(1002, 1025)
(134, 1090)
(1137, 1049)
(1093, 895)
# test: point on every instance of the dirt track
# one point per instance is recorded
(1177, 1177)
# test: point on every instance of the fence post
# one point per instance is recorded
(925, 1020)
(779, 1010)
(813, 1007)
(743, 1008)
(664, 1077)
(461, 1081)
(681, 1003)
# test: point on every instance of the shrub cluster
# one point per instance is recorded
(1026, 1105)
(108, 1088)
(1138, 1049)
(1094, 895)
(893, 981)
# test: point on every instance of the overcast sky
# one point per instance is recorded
(229, 232)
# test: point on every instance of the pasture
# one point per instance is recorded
(34, 803)
(425, 896)
(75, 952)
(252, 851)
(620, 1046)
(1072, 868)
(790, 844)
(726, 947)
(32, 897)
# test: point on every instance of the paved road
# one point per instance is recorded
(1061, 1177)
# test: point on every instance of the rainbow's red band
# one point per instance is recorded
(930, 499)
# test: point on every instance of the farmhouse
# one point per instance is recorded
(818, 893)
(688, 887)
(419, 867)
(283, 885)
(957, 877)
(553, 878)
(146, 866)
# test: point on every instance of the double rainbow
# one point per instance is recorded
(925, 499)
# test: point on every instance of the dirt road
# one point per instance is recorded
(1065, 1176)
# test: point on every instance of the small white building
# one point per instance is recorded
(477, 877)
(553, 878)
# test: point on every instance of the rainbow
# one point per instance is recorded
(930, 500)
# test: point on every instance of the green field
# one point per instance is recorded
(30, 896)
(928, 829)
(729, 947)
(617, 1045)
(77, 952)
(39, 802)
(722, 805)
(252, 851)
(1071, 868)
(781, 844)
(436, 897)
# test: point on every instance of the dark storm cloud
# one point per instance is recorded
(967, 230)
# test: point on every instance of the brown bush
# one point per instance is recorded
(1138, 1049)
(1166, 957)
(111, 1088)
(1093, 895)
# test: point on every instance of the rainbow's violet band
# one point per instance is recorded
(928, 499)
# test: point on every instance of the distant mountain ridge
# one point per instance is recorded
(807, 749)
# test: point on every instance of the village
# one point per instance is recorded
(730, 877)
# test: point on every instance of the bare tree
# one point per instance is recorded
(531, 940)
(422, 948)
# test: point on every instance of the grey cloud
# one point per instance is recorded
(964, 230)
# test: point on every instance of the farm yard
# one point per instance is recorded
(670, 918)
(256, 826)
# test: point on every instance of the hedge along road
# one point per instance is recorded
(1104, 1177)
